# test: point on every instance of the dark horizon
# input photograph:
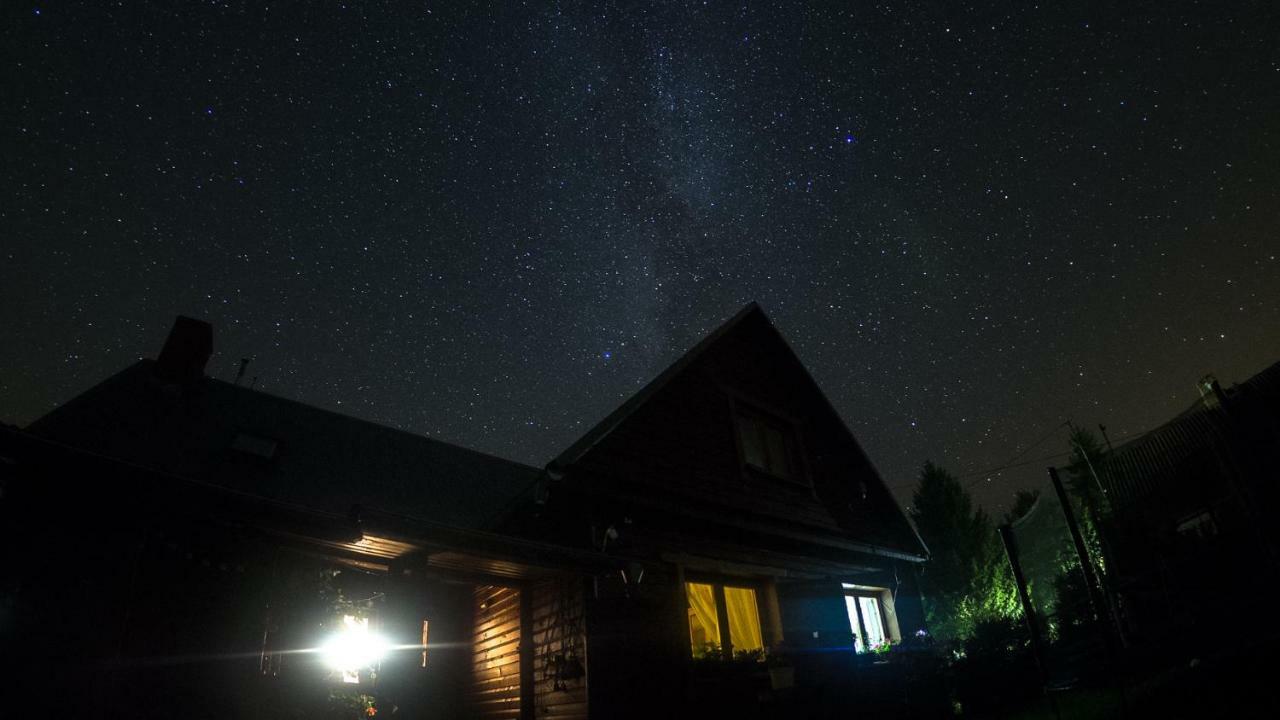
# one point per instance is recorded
(492, 226)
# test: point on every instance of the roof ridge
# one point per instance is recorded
(364, 421)
(601, 430)
(1197, 412)
(330, 461)
(616, 418)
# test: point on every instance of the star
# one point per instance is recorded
(454, 223)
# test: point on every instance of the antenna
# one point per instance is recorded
(1103, 428)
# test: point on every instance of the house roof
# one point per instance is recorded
(636, 401)
(40, 473)
(250, 441)
(898, 531)
(254, 442)
(1164, 455)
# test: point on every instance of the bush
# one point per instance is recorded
(998, 669)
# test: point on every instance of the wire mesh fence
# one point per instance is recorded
(1067, 615)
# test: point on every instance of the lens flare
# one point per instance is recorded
(354, 647)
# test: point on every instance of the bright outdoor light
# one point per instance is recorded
(353, 648)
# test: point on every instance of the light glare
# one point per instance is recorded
(353, 648)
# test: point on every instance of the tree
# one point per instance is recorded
(961, 545)
(1084, 471)
(1023, 501)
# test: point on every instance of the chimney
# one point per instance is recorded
(186, 351)
(1211, 392)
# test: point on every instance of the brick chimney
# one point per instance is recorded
(186, 351)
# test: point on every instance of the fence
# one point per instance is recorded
(1067, 614)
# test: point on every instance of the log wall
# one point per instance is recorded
(558, 637)
(495, 685)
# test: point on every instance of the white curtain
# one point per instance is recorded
(871, 617)
(851, 606)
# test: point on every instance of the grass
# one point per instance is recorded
(1073, 704)
(1235, 687)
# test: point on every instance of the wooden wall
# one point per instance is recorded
(680, 447)
(495, 686)
(440, 688)
(558, 630)
(639, 647)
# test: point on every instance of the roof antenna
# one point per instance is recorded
(244, 365)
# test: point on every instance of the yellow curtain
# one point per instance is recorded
(744, 619)
(702, 600)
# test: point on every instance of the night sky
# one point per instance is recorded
(491, 223)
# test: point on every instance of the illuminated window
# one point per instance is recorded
(766, 444)
(870, 617)
(723, 620)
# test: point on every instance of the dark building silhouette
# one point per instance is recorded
(179, 546)
(1191, 520)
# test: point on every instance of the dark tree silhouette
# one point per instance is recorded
(961, 546)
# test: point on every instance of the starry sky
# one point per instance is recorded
(492, 222)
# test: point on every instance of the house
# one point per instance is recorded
(178, 538)
(1188, 516)
(183, 546)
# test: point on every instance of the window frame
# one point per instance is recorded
(1197, 526)
(254, 447)
(718, 585)
(744, 409)
(882, 607)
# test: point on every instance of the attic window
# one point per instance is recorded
(255, 445)
(767, 444)
(1200, 525)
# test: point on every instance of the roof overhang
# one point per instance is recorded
(375, 540)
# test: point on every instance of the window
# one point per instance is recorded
(766, 444)
(255, 445)
(1200, 525)
(723, 619)
(870, 617)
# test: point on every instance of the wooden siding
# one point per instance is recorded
(679, 448)
(682, 441)
(495, 685)
(558, 631)
(639, 647)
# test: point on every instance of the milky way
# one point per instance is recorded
(492, 223)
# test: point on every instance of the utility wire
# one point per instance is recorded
(982, 474)
(1012, 462)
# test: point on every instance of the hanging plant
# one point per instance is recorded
(351, 705)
